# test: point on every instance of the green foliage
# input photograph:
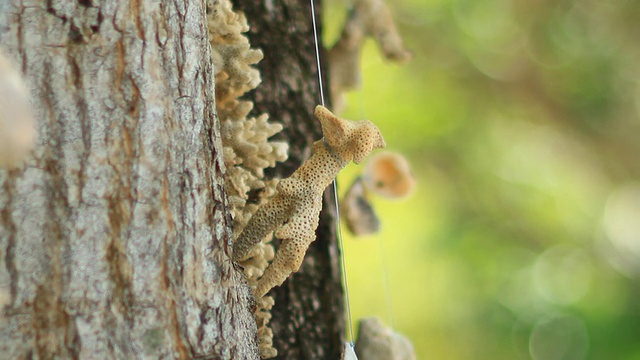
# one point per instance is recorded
(521, 122)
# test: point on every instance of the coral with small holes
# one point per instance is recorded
(294, 211)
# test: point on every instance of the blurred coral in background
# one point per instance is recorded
(521, 122)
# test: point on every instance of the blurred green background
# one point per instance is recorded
(521, 122)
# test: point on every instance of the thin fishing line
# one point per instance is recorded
(386, 284)
(315, 36)
(344, 264)
(335, 186)
(361, 100)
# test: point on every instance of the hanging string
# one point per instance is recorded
(383, 259)
(315, 37)
(344, 264)
(335, 187)
(386, 283)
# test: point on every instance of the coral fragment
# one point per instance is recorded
(294, 211)
(388, 174)
(378, 342)
(368, 18)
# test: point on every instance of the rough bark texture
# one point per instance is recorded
(308, 315)
(114, 237)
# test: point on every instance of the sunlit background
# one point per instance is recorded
(521, 122)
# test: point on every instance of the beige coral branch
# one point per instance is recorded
(293, 213)
(247, 149)
(368, 18)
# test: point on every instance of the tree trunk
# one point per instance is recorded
(114, 235)
(308, 318)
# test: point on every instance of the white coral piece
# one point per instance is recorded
(235, 77)
(246, 146)
(247, 151)
(249, 140)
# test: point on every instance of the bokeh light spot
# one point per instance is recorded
(621, 223)
(563, 274)
(559, 338)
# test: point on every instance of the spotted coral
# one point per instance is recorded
(294, 211)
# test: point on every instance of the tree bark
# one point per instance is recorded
(308, 318)
(114, 236)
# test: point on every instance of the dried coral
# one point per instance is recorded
(17, 130)
(378, 342)
(358, 213)
(386, 174)
(293, 213)
(247, 150)
(246, 145)
(248, 139)
(265, 334)
(368, 18)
